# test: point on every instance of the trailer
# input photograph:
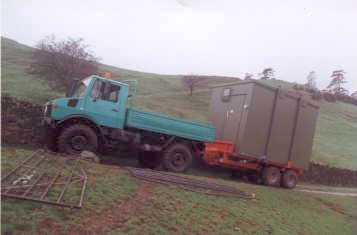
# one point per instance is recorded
(261, 130)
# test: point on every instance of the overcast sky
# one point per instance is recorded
(201, 37)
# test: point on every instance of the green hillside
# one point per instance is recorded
(15, 59)
(336, 132)
(116, 203)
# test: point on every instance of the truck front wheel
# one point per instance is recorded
(177, 158)
(76, 138)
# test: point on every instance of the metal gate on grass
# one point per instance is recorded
(46, 178)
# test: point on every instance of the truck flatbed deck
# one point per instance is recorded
(160, 123)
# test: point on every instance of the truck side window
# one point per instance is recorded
(97, 89)
(105, 91)
(111, 92)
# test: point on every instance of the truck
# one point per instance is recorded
(97, 114)
(263, 132)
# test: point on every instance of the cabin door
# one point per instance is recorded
(233, 117)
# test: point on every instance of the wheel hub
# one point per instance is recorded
(78, 142)
(178, 159)
(273, 177)
(291, 179)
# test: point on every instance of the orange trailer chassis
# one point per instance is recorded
(221, 153)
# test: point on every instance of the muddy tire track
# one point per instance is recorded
(116, 215)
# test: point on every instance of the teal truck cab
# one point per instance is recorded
(97, 114)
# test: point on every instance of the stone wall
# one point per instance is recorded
(20, 122)
(323, 174)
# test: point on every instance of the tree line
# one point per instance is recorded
(335, 91)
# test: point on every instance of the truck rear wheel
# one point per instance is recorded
(289, 179)
(271, 176)
(77, 138)
(177, 158)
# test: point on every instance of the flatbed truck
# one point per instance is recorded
(98, 115)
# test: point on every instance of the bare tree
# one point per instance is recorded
(61, 61)
(248, 76)
(311, 80)
(193, 81)
(335, 86)
(267, 74)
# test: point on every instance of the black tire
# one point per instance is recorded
(49, 139)
(177, 158)
(149, 160)
(289, 179)
(271, 176)
(76, 138)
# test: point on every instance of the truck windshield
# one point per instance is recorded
(81, 87)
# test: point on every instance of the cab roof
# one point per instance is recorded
(113, 81)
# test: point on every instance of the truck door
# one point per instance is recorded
(103, 104)
(233, 117)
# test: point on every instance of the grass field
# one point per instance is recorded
(116, 203)
(336, 131)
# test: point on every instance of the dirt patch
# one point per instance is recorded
(350, 116)
(116, 215)
(333, 207)
(47, 225)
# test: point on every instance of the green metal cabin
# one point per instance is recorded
(264, 131)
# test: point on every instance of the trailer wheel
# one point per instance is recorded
(77, 138)
(271, 176)
(289, 179)
(177, 158)
(149, 160)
